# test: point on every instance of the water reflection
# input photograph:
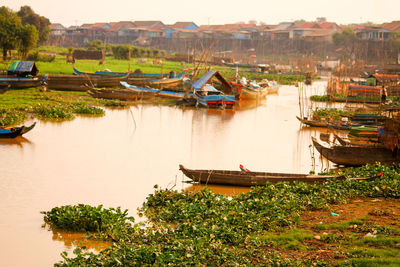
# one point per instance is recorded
(72, 239)
(18, 141)
(250, 104)
(117, 159)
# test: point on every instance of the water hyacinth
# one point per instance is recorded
(203, 228)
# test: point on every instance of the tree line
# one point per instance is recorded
(22, 30)
(124, 51)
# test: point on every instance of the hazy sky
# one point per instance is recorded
(77, 12)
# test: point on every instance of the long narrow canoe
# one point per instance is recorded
(121, 74)
(13, 132)
(249, 92)
(312, 123)
(10, 133)
(19, 82)
(243, 178)
(151, 91)
(356, 155)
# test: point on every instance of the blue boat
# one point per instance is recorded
(15, 131)
(19, 82)
(150, 91)
(208, 96)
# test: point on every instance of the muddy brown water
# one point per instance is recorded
(117, 159)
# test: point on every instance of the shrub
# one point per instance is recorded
(36, 56)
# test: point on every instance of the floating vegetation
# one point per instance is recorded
(256, 228)
(83, 108)
(52, 112)
(8, 117)
(333, 113)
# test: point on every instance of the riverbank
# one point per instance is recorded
(18, 105)
(328, 224)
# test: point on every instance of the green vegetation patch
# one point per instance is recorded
(334, 113)
(17, 105)
(254, 228)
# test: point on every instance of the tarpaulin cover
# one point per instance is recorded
(22, 68)
(365, 88)
(203, 80)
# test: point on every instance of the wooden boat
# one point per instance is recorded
(356, 142)
(78, 82)
(10, 133)
(356, 155)
(248, 178)
(210, 97)
(136, 74)
(312, 123)
(177, 94)
(19, 82)
(273, 89)
(364, 131)
(13, 132)
(166, 82)
(121, 94)
(253, 92)
(26, 129)
(154, 81)
(272, 86)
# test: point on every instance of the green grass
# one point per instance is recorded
(18, 104)
(373, 262)
(374, 252)
(59, 66)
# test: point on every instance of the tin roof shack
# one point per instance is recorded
(122, 28)
(393, 26)
(22, 69)
(373, 33)
(184, 29)
(383, 79)
(57, 29)
(180, 33)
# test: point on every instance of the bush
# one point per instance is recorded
(121, 51)
(36, 56)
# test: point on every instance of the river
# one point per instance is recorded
(117, 159)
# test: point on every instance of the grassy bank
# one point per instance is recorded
(59, 66)
(279, 224)
(17, 105)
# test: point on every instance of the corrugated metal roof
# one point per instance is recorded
(25, 66)
(203, 80)
(22, 68)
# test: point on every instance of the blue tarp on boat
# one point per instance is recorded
(203, 80)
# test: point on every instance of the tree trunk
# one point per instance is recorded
(4, 54)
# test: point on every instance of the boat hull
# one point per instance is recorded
(356, 156)
(243, 178)
(250, 93)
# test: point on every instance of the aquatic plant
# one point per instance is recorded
(83, 108)
(195, 228)
(52, 112)
(333, 113)
(11, 117)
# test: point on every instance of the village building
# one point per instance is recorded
(372, 33)
(57, 29)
